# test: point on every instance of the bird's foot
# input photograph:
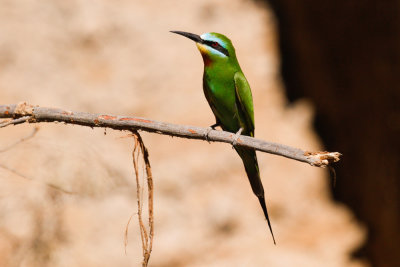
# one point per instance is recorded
(236, 137)
(209, 129)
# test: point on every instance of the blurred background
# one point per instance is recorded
(324, 76)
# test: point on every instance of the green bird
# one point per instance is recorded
(229, 95)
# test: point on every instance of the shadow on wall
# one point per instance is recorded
(344, 55)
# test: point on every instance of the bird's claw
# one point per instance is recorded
(209, 129)
(236, 137)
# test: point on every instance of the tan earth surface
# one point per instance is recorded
(118, 57)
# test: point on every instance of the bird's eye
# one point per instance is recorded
(214, 44)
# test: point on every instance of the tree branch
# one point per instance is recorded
(23, 112)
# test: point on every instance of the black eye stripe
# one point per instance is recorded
(217, 46)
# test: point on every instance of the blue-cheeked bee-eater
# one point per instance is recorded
(229, 95)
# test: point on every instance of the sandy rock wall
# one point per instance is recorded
(118, 57)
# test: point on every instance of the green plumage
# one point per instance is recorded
(229, 96)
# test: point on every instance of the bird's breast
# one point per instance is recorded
(220, 93)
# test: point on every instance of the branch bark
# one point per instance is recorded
(23, 112)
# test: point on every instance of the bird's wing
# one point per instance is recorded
(206, 90)
(245, 100)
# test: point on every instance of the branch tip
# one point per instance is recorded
(322, 158)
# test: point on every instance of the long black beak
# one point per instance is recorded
(189, 35)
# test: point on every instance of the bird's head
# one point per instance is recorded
(214, 47)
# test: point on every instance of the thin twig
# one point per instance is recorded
(332, 174)
(31, 135)
(149, 177)
(146, 237)
(15, 172)
(41, 114)
(15, 121)
(143, 232)
(126, 232)
(52, 186)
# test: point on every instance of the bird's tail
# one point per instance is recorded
(250, 162)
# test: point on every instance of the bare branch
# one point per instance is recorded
(38, 114)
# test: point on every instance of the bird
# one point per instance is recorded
(229, 95)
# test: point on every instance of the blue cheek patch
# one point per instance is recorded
(216, 53)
